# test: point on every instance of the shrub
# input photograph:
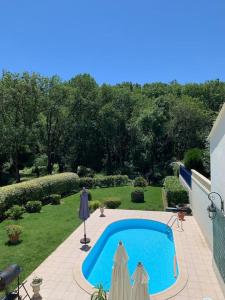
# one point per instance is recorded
(114, 180)
(176, 169)
(33, 206)
(37, 189)
(15, 212)
(99, 294)
(206, 159)
(2, 210)
(112, 203)
(89, 196)
(120, 180)
(82, 171)
(14, 232)
(46, 200)
(37, 280)
(104, 181)
(137, 196)
(193, 159)
(175, 193)
(55, 199)
(93, 205)
(86, 182)
(140, 181)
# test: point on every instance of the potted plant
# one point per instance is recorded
(36, 285)
(181, 215)
(99, 294)
(14, 232)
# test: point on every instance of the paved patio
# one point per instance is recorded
(58, 269)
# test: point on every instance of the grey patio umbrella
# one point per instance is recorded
(84, 213)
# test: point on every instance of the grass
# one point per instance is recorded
(152, 197)
(43, 232)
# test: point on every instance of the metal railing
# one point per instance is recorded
(186, 175)
(172, 220)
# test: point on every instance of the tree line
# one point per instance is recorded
(126, 128)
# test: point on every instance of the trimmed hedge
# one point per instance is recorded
(105, 181)
(41, 188)
(112, 203)
(175, 192)
(87, 182)
(36, 189)
(138, 196)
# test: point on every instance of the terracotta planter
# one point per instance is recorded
(181, 215)
(36, 289)
(14, 238)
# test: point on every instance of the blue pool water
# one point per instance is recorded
(149, 242)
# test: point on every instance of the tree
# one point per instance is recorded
(84, 139)
(153, 144)
(114, 124)
(20, 95)
(52, 121)
(190, 122)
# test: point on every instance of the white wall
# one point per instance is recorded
(199, 203)
(198, 197)
(217, 156)
(217, 159)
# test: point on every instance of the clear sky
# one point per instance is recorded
(115, 40)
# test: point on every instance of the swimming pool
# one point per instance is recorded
(147, 241)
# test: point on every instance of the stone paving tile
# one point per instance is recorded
(57, 270)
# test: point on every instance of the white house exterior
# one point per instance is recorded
(201, 187)
(217, 155)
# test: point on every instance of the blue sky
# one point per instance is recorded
(115, 40)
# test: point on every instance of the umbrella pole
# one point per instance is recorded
(85, 237)
(85, 240)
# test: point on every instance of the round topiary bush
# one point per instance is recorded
(89, 196)
(33, 206)
(55, 199)
(140, 181)
(138, 196)
(111, 203)
(93, 205)
(46, 200)
(15, 212)
(193, 159)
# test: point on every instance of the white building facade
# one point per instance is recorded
(199, 190)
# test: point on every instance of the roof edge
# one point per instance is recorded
(220, 116)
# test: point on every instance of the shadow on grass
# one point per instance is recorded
(10, 244)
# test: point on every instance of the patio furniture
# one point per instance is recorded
(7, 276)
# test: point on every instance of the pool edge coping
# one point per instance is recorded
(172, 291)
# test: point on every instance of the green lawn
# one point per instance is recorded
(43, 232)
(153, 199)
